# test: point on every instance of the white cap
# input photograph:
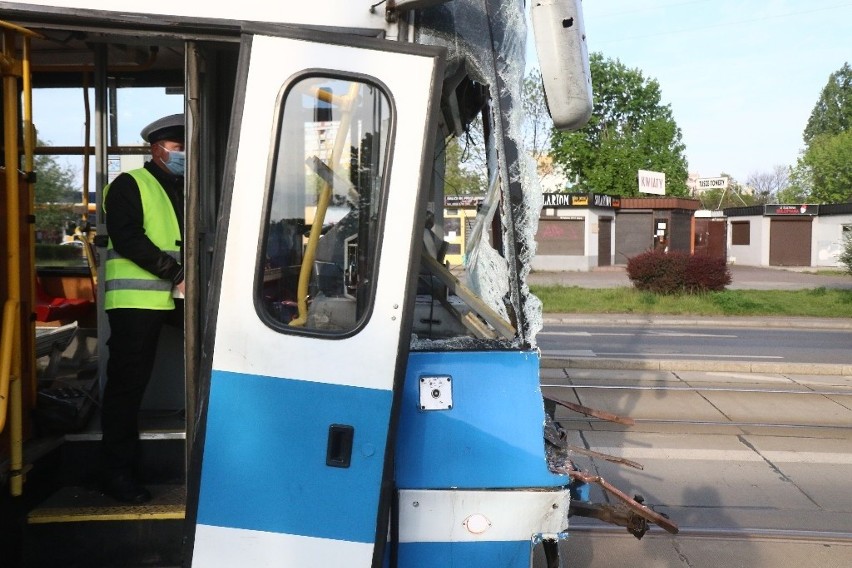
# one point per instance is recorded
(166, 128)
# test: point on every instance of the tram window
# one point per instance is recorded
(324, 210)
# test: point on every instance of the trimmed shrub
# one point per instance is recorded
(677, 272)
(706, 274)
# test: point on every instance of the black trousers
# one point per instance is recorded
(132, 350)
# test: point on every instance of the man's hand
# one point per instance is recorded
(182, 287)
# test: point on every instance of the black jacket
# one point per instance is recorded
(124, 219)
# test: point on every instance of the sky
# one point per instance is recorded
(741, 76)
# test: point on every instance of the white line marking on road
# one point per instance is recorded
(702, 355)
(653, 333)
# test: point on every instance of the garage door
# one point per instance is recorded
(634, 233)
(790, 242)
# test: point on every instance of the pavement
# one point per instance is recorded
(743, 278)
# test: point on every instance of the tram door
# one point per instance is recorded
(312, 321)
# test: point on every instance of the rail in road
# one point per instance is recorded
(754, 468)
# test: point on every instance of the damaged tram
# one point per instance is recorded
(339, 396)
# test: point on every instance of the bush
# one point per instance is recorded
(676, 272)
(846, 253)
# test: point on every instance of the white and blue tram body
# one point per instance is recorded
(354, 402)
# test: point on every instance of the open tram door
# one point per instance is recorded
(311, 300)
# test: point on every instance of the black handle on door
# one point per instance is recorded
(339, 450)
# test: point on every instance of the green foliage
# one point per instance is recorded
(823, 172)
(677, 272)
(52, 255)
(796, 192)
(630, 130)
(846, 255)
(833, 111)
(731, 303)
(55, 183)
(828, 303)
(825, 169)
(734, 196)
(55, 193)
(461, 178)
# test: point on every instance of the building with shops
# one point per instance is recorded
(584, 231)
(575, 231)
(788, 235)
(654, 223)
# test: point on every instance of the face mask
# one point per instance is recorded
(175, 161)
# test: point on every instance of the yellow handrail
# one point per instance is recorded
(12, 303)
(11, 368)
(324, 198)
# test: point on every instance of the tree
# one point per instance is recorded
(833, 111)
(55, 194)
(846, 254)
(735, 195)
(767, 185)
(465, 173)
(630, 130)
(793, 193)
(539, 125)
(824, 170)
(823, 173)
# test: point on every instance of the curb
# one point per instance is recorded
(696, 365)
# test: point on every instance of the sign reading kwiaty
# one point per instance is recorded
(652, 182)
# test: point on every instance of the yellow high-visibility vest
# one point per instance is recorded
(127, 284)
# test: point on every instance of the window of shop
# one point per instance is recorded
(740, 232)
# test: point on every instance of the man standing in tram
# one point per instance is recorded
(144, 275)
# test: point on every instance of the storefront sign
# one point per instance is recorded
(652, 182)
(463, 200)
(711, 183)
(581, 200)
(601, 200)
(791, 209)
(558, 199)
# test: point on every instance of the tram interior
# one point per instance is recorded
(102, 84)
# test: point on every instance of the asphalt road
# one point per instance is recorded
(642, 341)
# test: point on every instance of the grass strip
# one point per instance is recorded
(817, 302)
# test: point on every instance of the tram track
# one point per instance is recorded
(701, 389)
(743, 401)
(709, 423)
(724, 533)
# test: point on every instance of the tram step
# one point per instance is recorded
(88, 529)
(162, 460)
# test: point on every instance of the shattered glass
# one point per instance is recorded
(500, 280)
